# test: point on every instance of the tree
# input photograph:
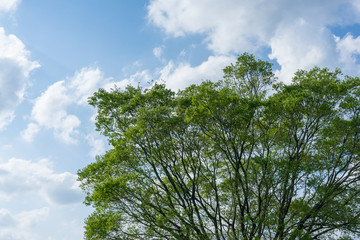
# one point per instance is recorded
(242, 158)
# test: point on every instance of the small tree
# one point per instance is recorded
(229, 160)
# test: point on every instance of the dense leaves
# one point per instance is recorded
(242, 158)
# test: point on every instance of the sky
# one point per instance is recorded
(55, 54)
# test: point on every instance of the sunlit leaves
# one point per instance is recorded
(237, 159)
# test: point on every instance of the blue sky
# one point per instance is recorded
(55, 54)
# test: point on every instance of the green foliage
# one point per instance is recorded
(236, 159)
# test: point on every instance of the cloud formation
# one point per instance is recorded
(36, 196)
(182, 75)
(50, 111)
(84, 83)
(8, 5)
(29, 133)
(135, 79)
(18, 226)
(97, 145)
(158, 52)
(349, 48)
(51, 108)
(15, 68)
(298, 33)
(20, 177)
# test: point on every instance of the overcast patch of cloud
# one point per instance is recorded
(297, 32)
(18, 226)
(22, 180)
(15, 68)
(64, 189)
(20, 177)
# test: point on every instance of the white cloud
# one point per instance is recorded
(15, 68)
(8, 5)
(32, 217)
(84, 83)
(296, 32)
(6, 218)
(31, 130)
(311, 46)
(97, 145)
(51, 108)
(19, 226)
(6, 117)
(158, 52)
(134, 80)
(349, 49)
(20, 177)
(233, 25)
(50, 111)
(38, 196)
(183, 75)
(63, 190)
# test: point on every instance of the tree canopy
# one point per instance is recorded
(242, 158)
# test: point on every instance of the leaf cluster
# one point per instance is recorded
(242, 158)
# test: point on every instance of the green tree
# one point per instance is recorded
(242, 158)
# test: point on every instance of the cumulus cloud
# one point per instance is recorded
(15, 68)
(182, 75)
(84, 83)
(8, 5)
(50, 111)
(312, 46)
(20, 177)
(233, 25)
(51, 108)
(349, 49)
(297, 33)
